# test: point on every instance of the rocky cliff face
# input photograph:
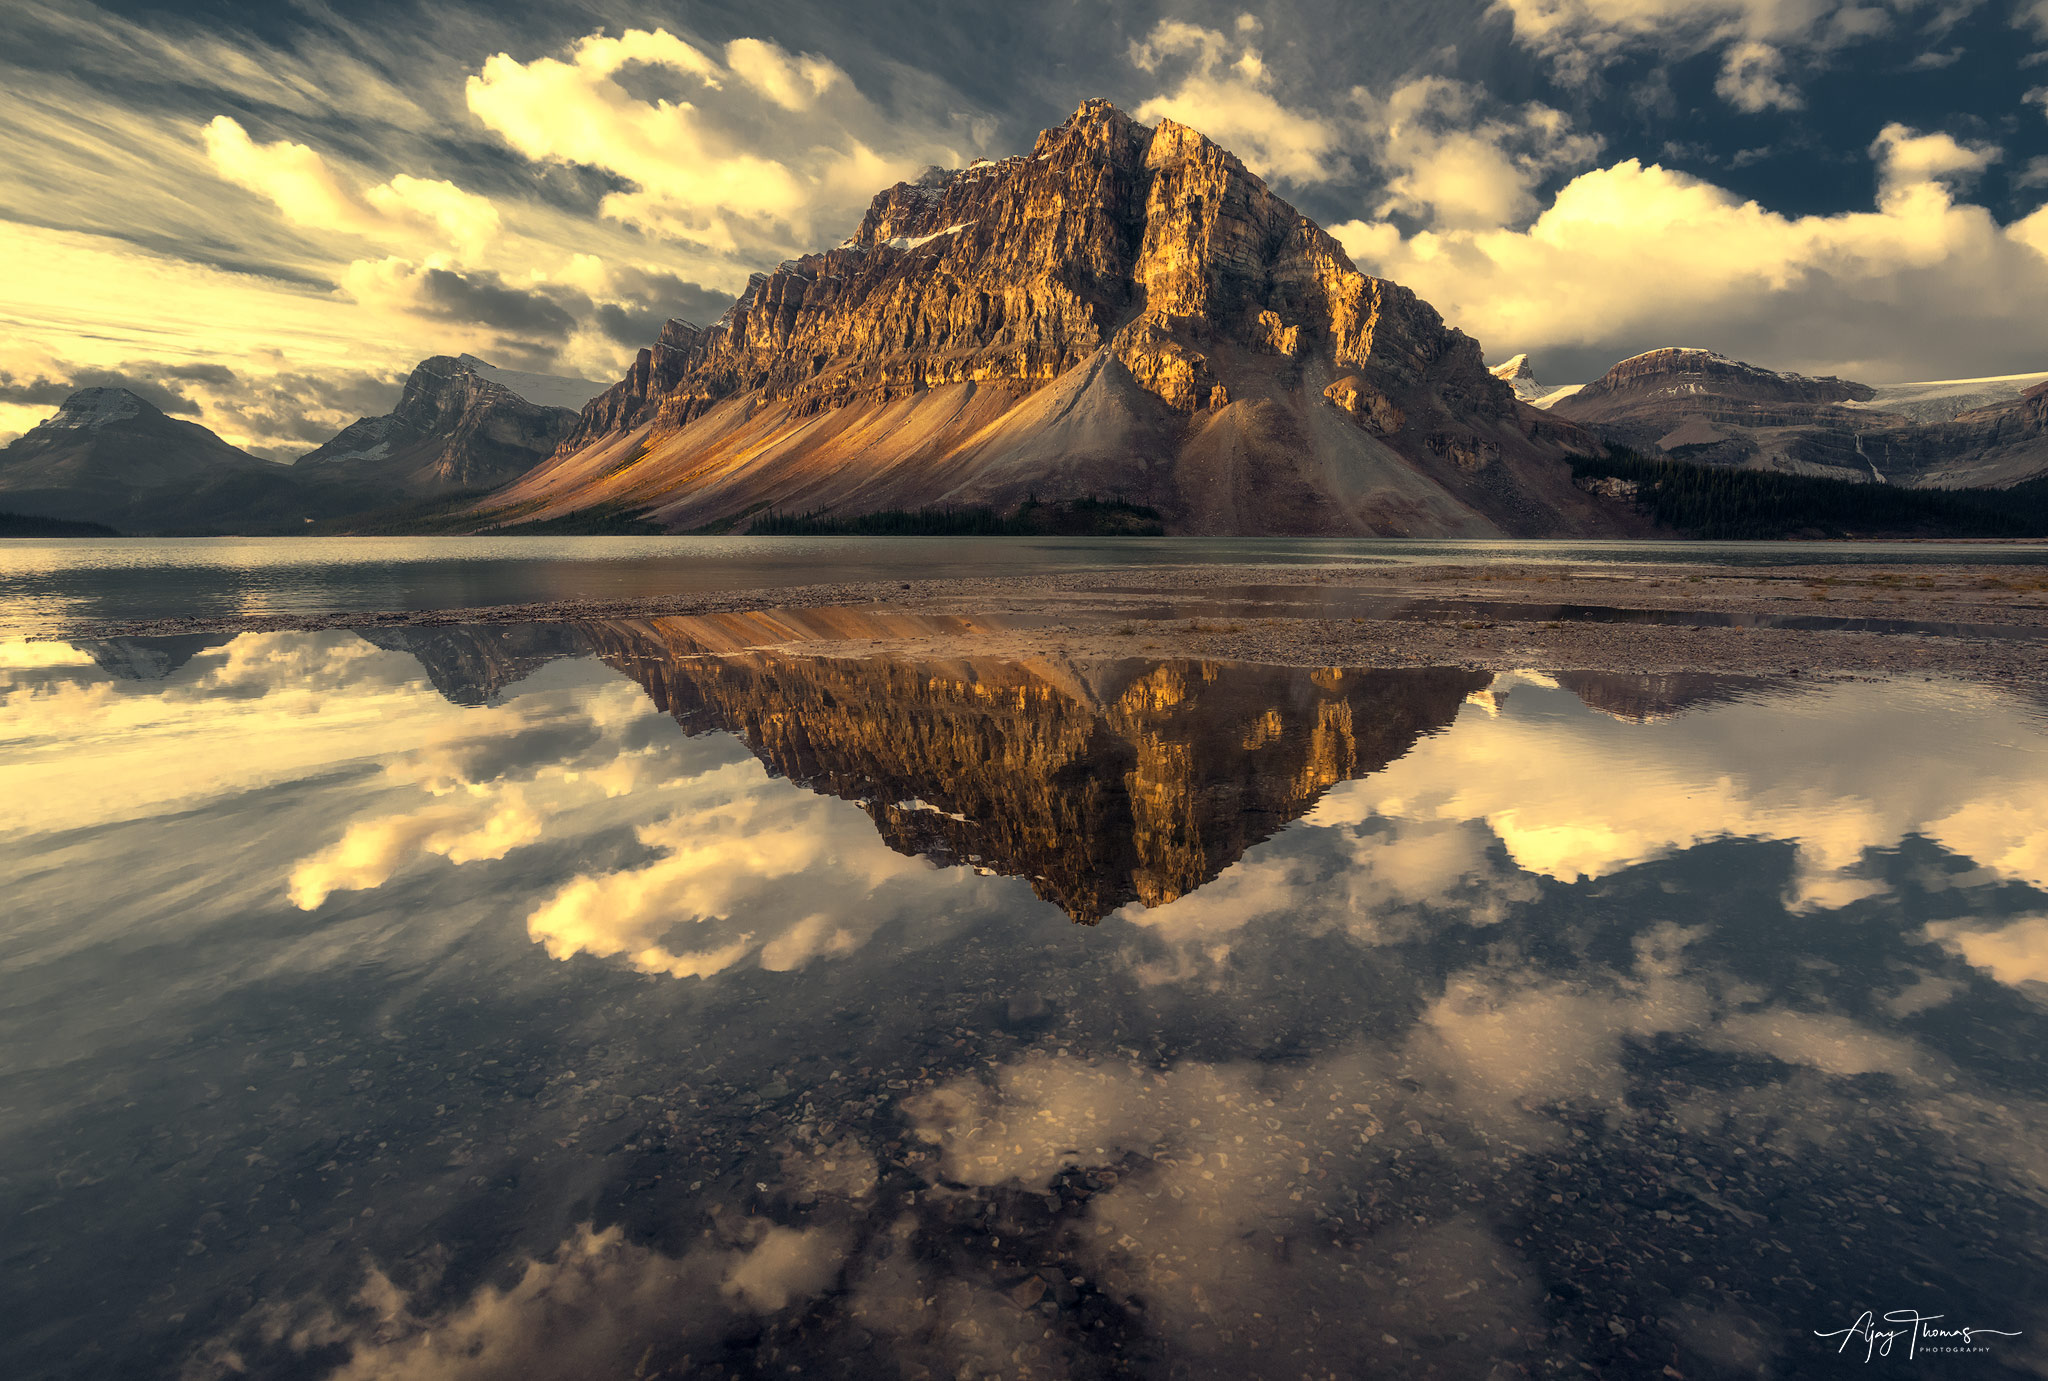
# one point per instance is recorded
(453, 429)
(633, 399)
(1124, 309)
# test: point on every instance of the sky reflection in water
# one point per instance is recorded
(444, 1009)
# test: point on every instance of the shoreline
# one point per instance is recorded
(1979, 622)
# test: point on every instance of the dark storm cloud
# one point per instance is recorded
(286, 413)
(296, 411)
(484, 298)
(650, 300)
(45, 390)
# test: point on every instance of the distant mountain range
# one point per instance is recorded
(110, 457)
(1697, 405)
(1126, 314)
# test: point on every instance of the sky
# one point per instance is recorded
(261, 213)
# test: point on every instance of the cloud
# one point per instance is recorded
(1752, 79)
(641, 301)
(1451, 167)
(744, 867)
(44, 389)
(1696, 779)
(1907, 159)
(300, 183)
(759, 152)
(2015, 953)
(592, 1306)
(1633, 255)
(1581, 38)
(204, 195)
(273, 414)
(1448, 155)
(1228, 96)
(372, 850)
(1210, 1167)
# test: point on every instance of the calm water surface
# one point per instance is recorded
(48, 584)
(601, 1000)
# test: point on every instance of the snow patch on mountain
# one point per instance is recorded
(1520, 375)
(914, 241)
(92, 408)
(1938, 400)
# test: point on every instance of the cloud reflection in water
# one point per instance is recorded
(1545, 1034)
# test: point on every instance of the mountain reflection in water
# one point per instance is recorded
(622, 999)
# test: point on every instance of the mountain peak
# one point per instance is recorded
(99, 407)
(460, 422)
(1676, 366)
(1125, 309)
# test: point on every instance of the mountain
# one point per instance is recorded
(1520, 375)
(2002, 443)
(1102, 782)
(1684, 397)
(1517, 374)
(1706, 407)
(1124, 312)
(471, 665)
(460, 424)
(1944, 400)
(149, 659)
(108, 456)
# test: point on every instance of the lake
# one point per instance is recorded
(595, 1000)
(46, 585)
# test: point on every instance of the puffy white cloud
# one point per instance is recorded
(1752, 79)
(1453, 167)
(1448, 156)
(747, 865)
(792, 82)
(404, 209)
(763, 152)
(1907, 159)
(372, 850)
(1924, 285)
(1225, 92)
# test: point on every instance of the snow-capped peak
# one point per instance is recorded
(96, 407)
